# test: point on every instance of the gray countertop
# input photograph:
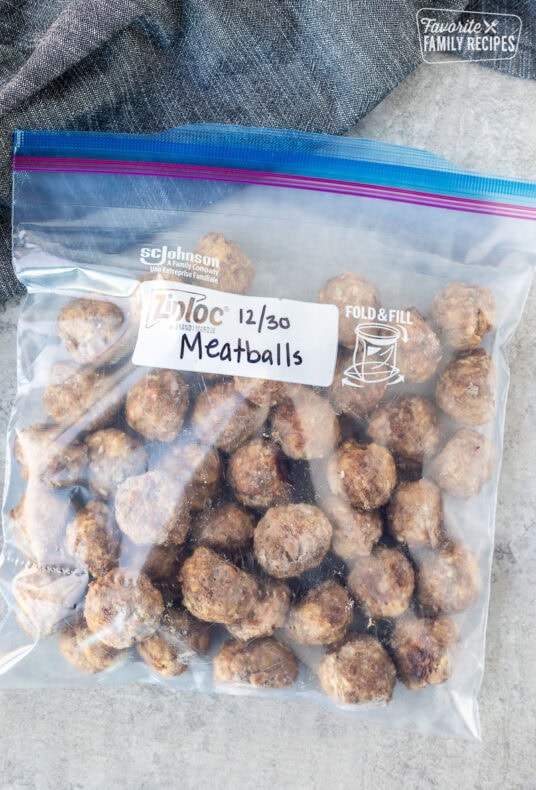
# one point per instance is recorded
(147, 737)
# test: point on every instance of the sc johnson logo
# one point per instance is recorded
(177, 306)
(467, 35)
(175, 256)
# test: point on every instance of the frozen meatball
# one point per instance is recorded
(178, 639)
(261, 392)
(291, 539)
(95, 332)
(423, 649)
(322, 616)
(215, 590)
(415, 514)
(93, 538)
(410, 427)
(382, 583)
(464, 465)
(160, 563)
(347, 398)
(157, 404)
(263, 662)
(235, 271)
(269, 613)
(355, 532)
(197, 470)
(39, 521)
(81, 396)
(465, 390)
(347, 290)
(49, 456)
(227, 528)
(257, 475)
(123, 607)
(418, 356)
(46, 597)
(113, 456)
(150, 510)
(364, 474)
(448, 580)
(224, 419)
(463, 314)
(358, 671)
(305, 426)
(85, 651)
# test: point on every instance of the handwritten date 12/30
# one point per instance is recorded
(263, 319)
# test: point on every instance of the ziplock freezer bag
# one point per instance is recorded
(257, 436)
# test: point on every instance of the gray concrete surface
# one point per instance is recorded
(145, 737)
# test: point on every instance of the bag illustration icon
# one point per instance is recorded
(374, 357)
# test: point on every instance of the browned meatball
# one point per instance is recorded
(84, 651)
(364, 474)
(224, 419)
(150, 510)
(156, 405)
(358, 671)
(465, 390)
(257, 475)
(355, 532)
(291, 539)
(261, 392)
(409, 427)
(227, 527)
(415, 514)
(350, 399)
(383, 582)
(93, 538)
(123, 607)
(349, 289)
(197, 470)
(113, 456)
(81, 396)
(46, 597)
(269, 612)
(177, 640)
(305, 426)
(263, 662)
(464, 465)
(423, 649)
(322, 616)
(448, 580)
(94, 331)
(235, 272)
(215, 590)
(419, 356)
(463, 314)
(49, 456)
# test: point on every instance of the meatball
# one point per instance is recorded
(150, 510)
(291, 539)
(157, 404)
(224, 419)
(227, 527)
(349, 289)
(257, 475)
(464, 465)
(409, 427)
(113, 456)
(93, 538)
(215, 590)
(95, 332)
(85, 651)
(197, 471)
(358, 671)
(364, 474)
(305, 426)
(415, 514)
(177, 640)
(39, 522)
(46, 597)
(422, 649)
(383, 582)
(463, 314)
(81, 396)
(269, 612)
(418, 357)
(49, 457)
(448, 580)
(348, 398)
(235, 271)
(123, 607)
(322, 616)
(160, 563)
(355, 532)
(263, 662)
(261, 392)
(465, 390)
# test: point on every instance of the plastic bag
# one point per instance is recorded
(257, 436)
